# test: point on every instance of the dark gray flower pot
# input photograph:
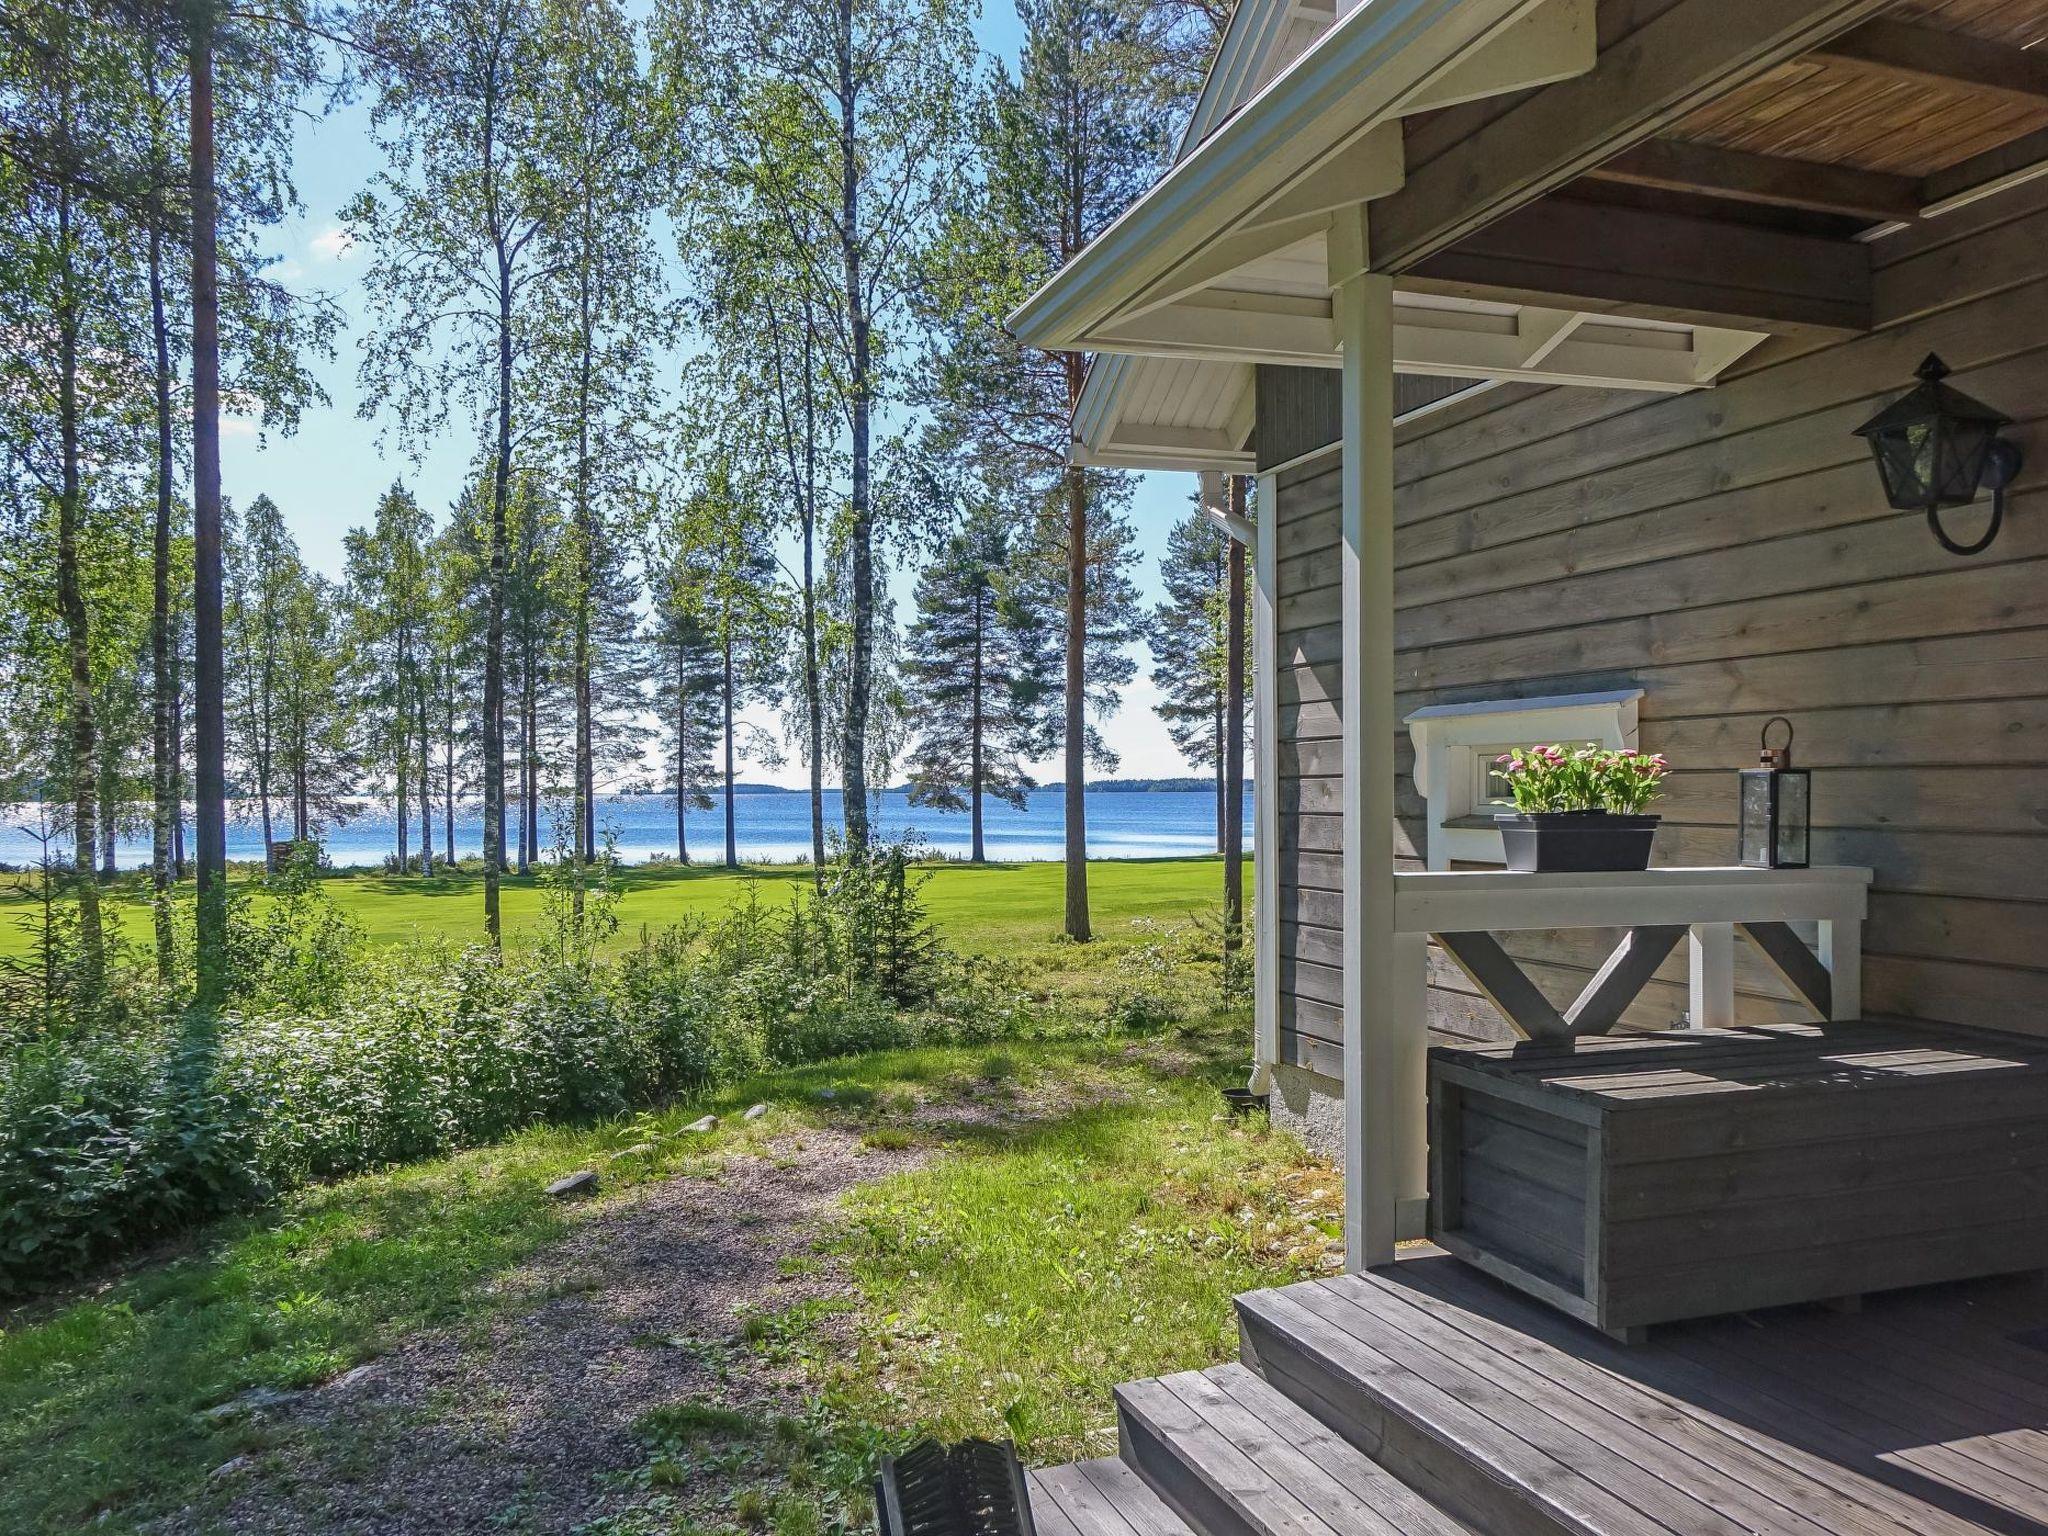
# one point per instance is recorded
(1576, 842)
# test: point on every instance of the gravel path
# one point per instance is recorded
(514, 1424)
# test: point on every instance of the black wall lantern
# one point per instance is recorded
(1775, 807)
(1936, 447)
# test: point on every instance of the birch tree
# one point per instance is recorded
(606, 318)
(840, 122)
(457, 225)
(1067, 141)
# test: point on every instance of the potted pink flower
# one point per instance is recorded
(1579, 809)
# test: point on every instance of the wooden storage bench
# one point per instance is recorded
(1639, 1179)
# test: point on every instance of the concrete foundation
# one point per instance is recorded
(1311, 1106)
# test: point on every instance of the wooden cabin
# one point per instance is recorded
(1545, 327)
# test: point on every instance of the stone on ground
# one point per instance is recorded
(581, 1182)
(698, 1127)
(756, 1112)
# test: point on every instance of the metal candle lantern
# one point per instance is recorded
(1936, 447)
(1776, 806)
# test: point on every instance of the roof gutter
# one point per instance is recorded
(1377, 55)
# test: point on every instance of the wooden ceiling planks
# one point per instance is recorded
(1910, 100)
(2019, 23)
(1834, 115)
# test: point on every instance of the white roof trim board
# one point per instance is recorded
(1223, 264)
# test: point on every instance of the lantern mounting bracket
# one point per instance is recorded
(2001, 467)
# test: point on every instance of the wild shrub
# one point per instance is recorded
(130, 1118)
(294, 949)
(106, 1143)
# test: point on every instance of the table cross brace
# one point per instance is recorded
(1597, 1009)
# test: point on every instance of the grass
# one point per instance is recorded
(991, 908)
(1013, 1283)
(1003, 1286)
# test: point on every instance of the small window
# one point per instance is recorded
(1490, 787)
(1455, 749)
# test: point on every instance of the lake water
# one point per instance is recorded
(771, 827)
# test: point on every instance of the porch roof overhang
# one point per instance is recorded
(1224, 264)
(1714, 168)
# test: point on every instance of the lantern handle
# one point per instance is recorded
(1768, 755)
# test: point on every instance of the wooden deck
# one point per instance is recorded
(1430, 1400)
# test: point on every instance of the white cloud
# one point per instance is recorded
(332, 244)
(237, 426)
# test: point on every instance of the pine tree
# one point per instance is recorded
(1067, 141)
(540, 586)
(1187, 635)
(263, 568)
(743, 609)
(605, 321)
(685, 663)
(388, 603)
(315, 761)
(976, 674)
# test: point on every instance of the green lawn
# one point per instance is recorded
(994, 909)
(1100, 1243)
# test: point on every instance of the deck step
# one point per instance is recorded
(1419, 1417)
(1516, 1434)
(1234, 1457)
(1098, 1498)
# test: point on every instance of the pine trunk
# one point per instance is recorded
(162, 683)
(682, 752)
(1233, 739)
(209, 683)
(529, 765)
(977, 853)
(1077, 924)
(404, 817)
(732, 843)
(426, 789)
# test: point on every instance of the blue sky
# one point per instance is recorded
(327, 476)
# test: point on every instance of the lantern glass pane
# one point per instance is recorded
(1794, 794)
(1962, 462)
(1754, 839)
(1908, 460)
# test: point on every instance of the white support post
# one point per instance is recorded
(1265, 790)
(1408, 998)
(1841, 951)
(1382, 1112)
(1710, 953)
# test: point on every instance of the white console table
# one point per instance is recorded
(1659, 907)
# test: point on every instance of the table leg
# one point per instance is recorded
(1841, 951)
(1710, 951)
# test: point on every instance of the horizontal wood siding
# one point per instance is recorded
(1308, 624)
(1730, 553)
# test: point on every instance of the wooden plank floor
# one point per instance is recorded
(1926, 1413)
